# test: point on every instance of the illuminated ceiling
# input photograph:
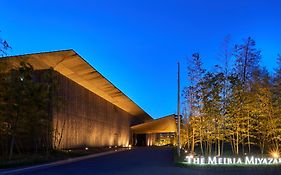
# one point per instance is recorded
(162, 125)
(74, 67)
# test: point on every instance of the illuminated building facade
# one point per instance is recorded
(159, 132)
(95, 113)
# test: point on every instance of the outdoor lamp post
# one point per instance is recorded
(178, 109)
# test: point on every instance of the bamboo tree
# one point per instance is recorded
(212, 86)
(15, 98)
(247, 60)
(193, 94)
(241, 108)
(276, 104)
(226, 57)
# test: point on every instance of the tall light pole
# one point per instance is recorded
(179, 120)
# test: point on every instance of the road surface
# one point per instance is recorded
(140, 161)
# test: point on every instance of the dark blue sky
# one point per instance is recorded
(137, 43)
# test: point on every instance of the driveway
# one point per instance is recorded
(140, 161)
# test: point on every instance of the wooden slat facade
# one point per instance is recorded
(88, 120)
(96, 113)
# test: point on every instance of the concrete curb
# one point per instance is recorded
(58, 163)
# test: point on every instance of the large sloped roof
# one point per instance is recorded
(161, 125)
(74, 67)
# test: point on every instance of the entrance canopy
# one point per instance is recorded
(163, 125)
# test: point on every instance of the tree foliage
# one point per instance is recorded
(4, 47)
(26, 102)
(236, 107)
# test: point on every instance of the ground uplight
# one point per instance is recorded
(275, 154)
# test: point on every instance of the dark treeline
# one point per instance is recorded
(236, 108)
(26, 102)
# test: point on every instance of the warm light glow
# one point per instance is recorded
(190, 156)
(130, 146)
(86, 148)
(275, 154)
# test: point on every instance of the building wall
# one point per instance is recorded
(88, 120)
(150, 139)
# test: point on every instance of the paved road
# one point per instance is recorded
(140, 161)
